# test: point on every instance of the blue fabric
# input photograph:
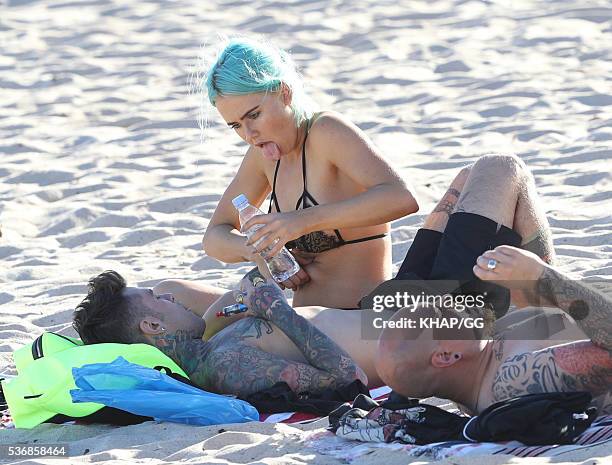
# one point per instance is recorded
(148, 392)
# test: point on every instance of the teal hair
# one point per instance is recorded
(246, 66)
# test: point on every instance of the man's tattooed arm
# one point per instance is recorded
(577, 366)
(591, 310)
(241, 370)
(318, 349)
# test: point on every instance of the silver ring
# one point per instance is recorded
(491, 264)
(240, 297)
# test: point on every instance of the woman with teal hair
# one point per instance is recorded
(332, 193)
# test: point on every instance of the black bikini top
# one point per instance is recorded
(317, 241)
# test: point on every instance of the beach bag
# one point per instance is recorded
(41, 391)
(145, 391)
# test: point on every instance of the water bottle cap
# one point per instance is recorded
(239, 201)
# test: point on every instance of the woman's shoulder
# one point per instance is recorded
(328, 120)
(331, 127)
(330, 130)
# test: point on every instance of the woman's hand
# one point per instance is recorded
(513, 268)
(277, 230)
(295, 281)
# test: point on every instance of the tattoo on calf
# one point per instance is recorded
(448, 202)
(541, 244)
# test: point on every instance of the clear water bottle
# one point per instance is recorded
(282, 265)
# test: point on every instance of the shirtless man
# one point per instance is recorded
(312, 348)
(476, 373)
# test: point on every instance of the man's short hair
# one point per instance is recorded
(106, 315)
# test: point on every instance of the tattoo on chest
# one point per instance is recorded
(579, 366)
(498, 348)
(526, 374)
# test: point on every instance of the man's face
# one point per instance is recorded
(172, 315)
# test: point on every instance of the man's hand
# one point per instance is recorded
(514, 268)
(261, 296)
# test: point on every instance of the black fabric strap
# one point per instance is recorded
(273, 195)
(363, 239)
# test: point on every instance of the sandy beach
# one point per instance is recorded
(104, 165)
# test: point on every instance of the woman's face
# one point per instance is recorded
(263, 120)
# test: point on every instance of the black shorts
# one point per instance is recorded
(451, 255)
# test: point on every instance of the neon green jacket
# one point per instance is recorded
(42, 388)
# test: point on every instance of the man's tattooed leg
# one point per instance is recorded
(531, 223)
(438, 218)
(541, 244)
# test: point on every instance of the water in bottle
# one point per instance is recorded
(282, 265)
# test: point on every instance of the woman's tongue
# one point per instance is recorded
(271, 150)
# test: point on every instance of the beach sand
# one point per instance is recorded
(103, 165)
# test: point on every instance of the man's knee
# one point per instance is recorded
(501, 165)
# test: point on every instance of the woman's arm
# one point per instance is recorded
(222, 239)
(385, 195)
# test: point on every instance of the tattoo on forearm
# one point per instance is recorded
(591, 310)
(265, 298)
(256, 328)
(254, 273)
(242, 370)
(448, 202)
(318, 349)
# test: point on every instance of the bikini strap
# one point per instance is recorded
(363, 239)
(305, 193)
(273, 195)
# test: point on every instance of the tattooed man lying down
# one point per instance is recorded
(476, 373)
(312, 348)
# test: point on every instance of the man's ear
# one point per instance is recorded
(151, 325)
(445, 357)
